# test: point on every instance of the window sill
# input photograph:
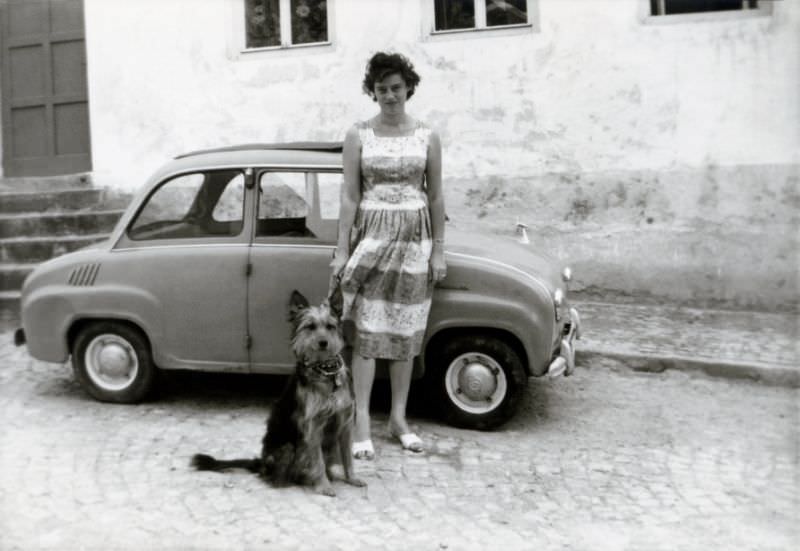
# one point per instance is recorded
(281, 51)
(483, 32)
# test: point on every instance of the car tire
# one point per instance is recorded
(477, 381)
(113, 362)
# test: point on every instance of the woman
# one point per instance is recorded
(391, 238)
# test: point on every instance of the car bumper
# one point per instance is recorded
(564, 362)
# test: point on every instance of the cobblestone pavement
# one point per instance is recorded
(607, 459)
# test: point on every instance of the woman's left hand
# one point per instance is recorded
(438, 268)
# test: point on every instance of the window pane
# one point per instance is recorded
(694, 6)
(229, 205)
(263, 23)
(309, 21)
(330, 188)
(506, 12)
(282, 206)
(170, 203)
(323, 191)
(454, 14)
(193, 205)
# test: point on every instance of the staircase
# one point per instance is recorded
(44, 217)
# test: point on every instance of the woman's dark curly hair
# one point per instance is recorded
(383, 64)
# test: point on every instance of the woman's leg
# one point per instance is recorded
(400, 378)
(400, 375)
(363, 375)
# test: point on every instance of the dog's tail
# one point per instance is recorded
(203, 462)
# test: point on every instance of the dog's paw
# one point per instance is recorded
(353, 481)
(326, 490)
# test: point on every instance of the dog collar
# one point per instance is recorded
(331, 368)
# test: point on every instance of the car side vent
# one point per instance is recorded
(84, 276)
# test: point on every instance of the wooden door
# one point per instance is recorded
(45, 108)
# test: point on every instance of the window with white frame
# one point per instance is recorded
(677, 7)
(284, 23)
(455, 15)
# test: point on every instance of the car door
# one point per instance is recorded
(190, 243)
(295, 237)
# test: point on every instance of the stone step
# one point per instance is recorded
(9, 308)
(58, 223)
(12, 275)
(46, 183)
(38, 249)
(92, 199)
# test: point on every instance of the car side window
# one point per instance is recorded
(330, 189)
(298, 205)
(203, 204)
(282, 206)
(229, 205)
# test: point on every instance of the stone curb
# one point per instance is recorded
(774, 375)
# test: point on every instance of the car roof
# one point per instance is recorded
(332, 147)
(322, 155)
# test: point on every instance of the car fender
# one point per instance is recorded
(50, 312)
(464, 309)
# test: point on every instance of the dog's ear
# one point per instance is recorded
(336, 302)
(297, 304)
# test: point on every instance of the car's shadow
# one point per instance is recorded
(219, 389)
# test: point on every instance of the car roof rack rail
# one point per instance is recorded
(325, 147)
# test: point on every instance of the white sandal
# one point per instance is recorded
(411, 442)
(364, 450)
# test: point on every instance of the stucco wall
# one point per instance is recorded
(675, 141)
(1, 126)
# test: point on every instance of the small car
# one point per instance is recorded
(198, 272)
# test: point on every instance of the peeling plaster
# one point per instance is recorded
(594, 120)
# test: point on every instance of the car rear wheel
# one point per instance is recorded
(477, 380)
(112, 361)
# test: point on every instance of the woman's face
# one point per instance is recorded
(391, 94)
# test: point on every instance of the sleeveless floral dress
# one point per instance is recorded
(385, 284)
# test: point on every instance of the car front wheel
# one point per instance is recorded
(112, 361)
(478, 381)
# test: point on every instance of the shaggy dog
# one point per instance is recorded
(310, 427)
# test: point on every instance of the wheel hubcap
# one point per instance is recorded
(475, 382)
(111, 362)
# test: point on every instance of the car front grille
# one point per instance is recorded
(84, 275)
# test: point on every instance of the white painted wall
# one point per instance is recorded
(1, 133)
(657, 158)
(593, 89)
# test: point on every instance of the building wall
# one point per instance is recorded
(1, 126)
(603, 132)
